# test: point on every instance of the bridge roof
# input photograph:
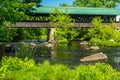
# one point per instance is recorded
(78, 10)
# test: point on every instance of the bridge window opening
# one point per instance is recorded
(118, 18)
(78, 18)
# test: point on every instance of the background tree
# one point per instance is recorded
(101, 34)
(59, 19)
(64, 5)
(63, 24)
(30, 33)
(12, 11)
(95, 3)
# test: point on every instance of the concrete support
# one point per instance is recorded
(50, 37)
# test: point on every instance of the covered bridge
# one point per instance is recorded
(39, 17)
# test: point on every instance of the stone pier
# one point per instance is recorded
(50, 37)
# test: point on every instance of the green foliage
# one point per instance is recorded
(11, 66)
(97, 72)
(15, 34)
(63, 24)
(99, 30)
(63, 41)
(59, 19)
(29, 1)
(110, 43)
(102, 34)
(7, 34)
(116, 35)
(17, 69)
(67, 33)
(12, 11)
(65, 5)
(31, 33)
(95, 3)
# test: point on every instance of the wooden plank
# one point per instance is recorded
(44, 24)
(47, 24)
(31, 24)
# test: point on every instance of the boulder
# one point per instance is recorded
(95, 57)
(11, 48)
(94, 48)
(32, 44)
(49, 45)
(84, 43)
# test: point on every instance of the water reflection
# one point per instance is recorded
(67, 54)
(117, 61)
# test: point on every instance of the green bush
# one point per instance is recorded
(117, 35)
(17, 69)
(63, 41)
(103, 34)
(31, 33)
(109, 43)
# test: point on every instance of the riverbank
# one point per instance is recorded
(18, 69)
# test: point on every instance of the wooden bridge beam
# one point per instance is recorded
(44, 24)
(47, 25)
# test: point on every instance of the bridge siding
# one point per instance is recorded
(46, 24)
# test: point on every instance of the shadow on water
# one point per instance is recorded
(64, 54)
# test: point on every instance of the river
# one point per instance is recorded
(69, 54)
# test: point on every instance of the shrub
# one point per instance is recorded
(17, 69)
(63, 41)
(109, 43)
(103, 34)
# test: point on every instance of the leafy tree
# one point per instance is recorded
(95, 3)
(63, 24)
(64, 5)
(30, 33)
(60, 19)
(7, 34)
(103, 34)
(29, 1)
(100, 31)
(12, 11)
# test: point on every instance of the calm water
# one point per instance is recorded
(71, 54)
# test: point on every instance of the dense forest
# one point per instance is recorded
(95, 3)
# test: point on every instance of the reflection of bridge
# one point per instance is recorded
(83, 16)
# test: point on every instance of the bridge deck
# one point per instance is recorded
(46, 24)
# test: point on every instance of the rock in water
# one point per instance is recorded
(95, 57)
(94, 48)
(11, 48)
(84, 43)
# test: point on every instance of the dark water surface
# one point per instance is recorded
(71, 54)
